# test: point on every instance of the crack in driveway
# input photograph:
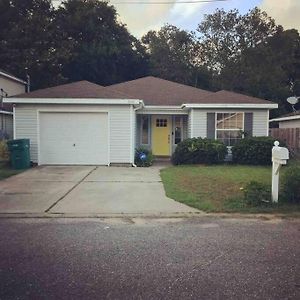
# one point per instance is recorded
(70, 190)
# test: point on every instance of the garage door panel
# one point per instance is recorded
(74, 138)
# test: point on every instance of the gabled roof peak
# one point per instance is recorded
(157, 91)
(12, 77)
(77, 89)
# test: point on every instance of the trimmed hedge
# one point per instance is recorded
(198, 151)
(254, 151)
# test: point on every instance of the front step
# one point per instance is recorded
(162, 160)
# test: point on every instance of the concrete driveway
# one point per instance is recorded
(87, 190)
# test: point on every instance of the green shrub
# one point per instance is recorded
(257, 194)
(291, 184)
(198, 150)
(4, 153)
(148, 157)
(254, 151)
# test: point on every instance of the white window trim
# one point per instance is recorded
(230, 129)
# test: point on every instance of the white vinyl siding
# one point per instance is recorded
(197, 126)
(26, 127)
(11, 87)
(120, 123)
(120, 134)
(290, 124)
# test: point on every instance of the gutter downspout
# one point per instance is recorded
(140, 106)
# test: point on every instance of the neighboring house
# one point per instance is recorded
(84, 123)
(291, 120)
(287, 129)
(9, 86)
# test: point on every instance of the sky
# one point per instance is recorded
(140, 18)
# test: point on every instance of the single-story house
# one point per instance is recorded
(9, 86)
(85, 123)
(291, 120)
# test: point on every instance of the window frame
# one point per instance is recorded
(161, 122)
(230, 129)
(174, 127)
(141, 129)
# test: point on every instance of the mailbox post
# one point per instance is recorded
(280, 155)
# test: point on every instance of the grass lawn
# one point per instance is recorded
(218, 188)
(6, 171)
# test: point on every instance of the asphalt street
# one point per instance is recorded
(199, 258)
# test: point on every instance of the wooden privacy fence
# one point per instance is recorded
(291, 136)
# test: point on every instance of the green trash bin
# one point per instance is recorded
(19, 153)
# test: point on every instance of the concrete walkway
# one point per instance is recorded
(88, 190)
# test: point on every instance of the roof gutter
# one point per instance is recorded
(230, 105)
(164, 107)
(71, 101)
(290, 118)
(140, 106)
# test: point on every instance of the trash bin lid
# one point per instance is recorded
(18, 143)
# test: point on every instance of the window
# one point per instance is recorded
(145, 130)
(161, 122)
(178, 130)
(229, 127)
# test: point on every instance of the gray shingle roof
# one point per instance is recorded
(232, 97)
(156, 91)
(79, 89)
(152, 90)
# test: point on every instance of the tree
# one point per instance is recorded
(224, 35)
(29, 41)
(267, 70)
(251, 54)
(173, 56)
(104, 51)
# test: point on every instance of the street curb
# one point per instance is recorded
(199, 214)
(104, 216)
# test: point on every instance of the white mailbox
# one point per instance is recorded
(280, 155)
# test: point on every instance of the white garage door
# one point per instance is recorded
(73, 138)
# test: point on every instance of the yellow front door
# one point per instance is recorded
(161, 139)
